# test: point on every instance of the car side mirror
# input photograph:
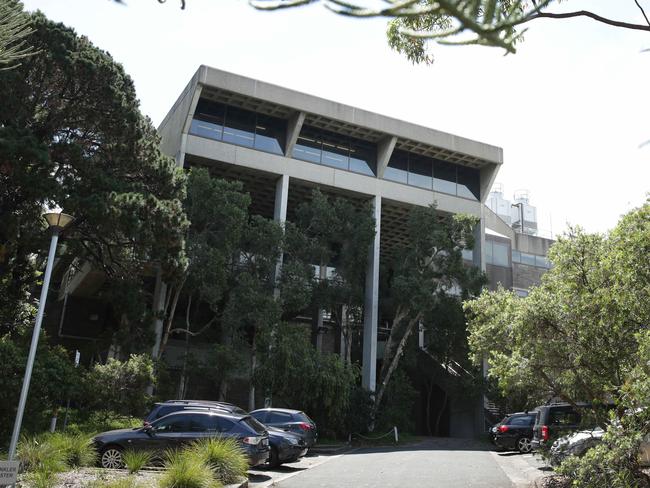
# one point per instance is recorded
(149, 429)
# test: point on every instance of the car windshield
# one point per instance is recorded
(253, 424)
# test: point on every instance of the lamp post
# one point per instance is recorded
(56, 222)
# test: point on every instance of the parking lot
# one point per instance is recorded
(261, 477)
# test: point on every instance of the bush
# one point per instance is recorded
(120, 386)
(186, 469)
(101, 421)
(76, 449)
(396, 409)
(36, 454)
(136, 460)
(224, 456)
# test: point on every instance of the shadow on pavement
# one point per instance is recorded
(257, 478)
(430, 444)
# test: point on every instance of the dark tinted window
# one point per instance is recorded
(303, 417)
(176, 423)
(444, 177)
(240, 127)
(420, 171)
(162, 411)
(469, 182)
(201, 423)
(523, 421)
(335, 151)
(270, 134)
(279, 417)
(309, 146)
(259, 416)
(208, 119)
(397, 169)
(363, 157)
(563, 417)
(253, 424)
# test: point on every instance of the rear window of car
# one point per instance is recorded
(253, 424)
(303, 417)
(563, 417)
(162, 411)
(523, 420)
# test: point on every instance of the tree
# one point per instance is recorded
(576, 336)
(420, 277)
(14, 30)
(484, 22)
(333, 234)
(72, 136)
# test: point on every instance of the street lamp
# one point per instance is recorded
(56, 222)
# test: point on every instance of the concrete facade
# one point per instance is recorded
(300, 110)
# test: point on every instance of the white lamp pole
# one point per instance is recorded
(57, 222)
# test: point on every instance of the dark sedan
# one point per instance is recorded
(286, 447)
(515, 432)
(184, 427)
(289, 420)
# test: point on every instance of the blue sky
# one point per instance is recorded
(570, 109)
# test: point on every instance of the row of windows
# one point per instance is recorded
(432, 174)
(265, 133)
(330, 149)
(238, 126)
(530, 259)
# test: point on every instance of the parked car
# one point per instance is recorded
(579, 443)
(515, 432)
(554, 421)
(289, 420)
(179, 428)
(286, 447)
(164, 408)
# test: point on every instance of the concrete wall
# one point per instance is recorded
(532, 244)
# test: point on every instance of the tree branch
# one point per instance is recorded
(585, 13)
(642, 11)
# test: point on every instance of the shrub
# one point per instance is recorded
(186, 469)
(36, 454)
(76, 449)
(224, 456)
(101, 421)
(41, 479)
(119, 386)
(136, 460)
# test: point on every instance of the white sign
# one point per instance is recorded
(8, 472)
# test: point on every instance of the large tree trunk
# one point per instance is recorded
(393, 362)
(182, 384)
(169, 316)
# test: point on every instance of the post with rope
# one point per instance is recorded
(396, 434)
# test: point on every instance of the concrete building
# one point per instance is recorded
(281, 143)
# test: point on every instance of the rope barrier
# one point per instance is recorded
(392, 432)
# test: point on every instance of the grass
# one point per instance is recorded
(77, 449)
(136, 460)
(224, 456)
(36, 454)
(128, 482)
(186, 469)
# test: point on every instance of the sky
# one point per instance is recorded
(570, 109)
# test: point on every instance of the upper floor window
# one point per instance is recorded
(336, 150)
(432, 174)
(239, 126)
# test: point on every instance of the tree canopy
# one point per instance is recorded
(72, 136)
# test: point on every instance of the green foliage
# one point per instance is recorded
(71, 135)
(397, 406)
(225, 456)
(119, 386)
(99, 421)
(295, 374)
(135, 460)
(14, 33)
(53, 377)
(581, 335)
(187, 469)
(77, 449)
(36, 454)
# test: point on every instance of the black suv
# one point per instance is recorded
(553, 421)
(289, 420)
(178, 428)
(515, 432)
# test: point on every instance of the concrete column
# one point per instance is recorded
(385, 148)
(294, 126)
(280, 215)
(371, 306)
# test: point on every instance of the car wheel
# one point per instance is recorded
(274, 458)
(524, 445)
(111, 458)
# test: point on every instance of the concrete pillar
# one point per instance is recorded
(280, 215)
(371, 305)
(385, 148)
(294, 125)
